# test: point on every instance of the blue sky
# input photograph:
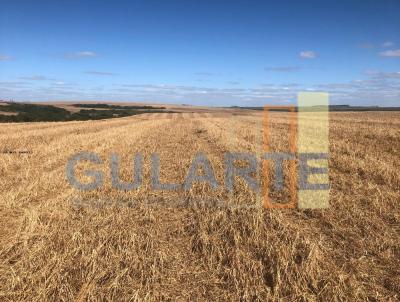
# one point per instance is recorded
(218, 53)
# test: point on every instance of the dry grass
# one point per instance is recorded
(8, 113)
(52, 249)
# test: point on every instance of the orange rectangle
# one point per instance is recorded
(292, 166)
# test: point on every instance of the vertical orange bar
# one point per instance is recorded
(292, 165)
(293, 150)
(265, 163)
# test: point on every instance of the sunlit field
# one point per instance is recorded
(59, 243)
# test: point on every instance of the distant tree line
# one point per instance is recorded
(48, 113)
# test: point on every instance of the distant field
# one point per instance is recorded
(8, 113)
(335, 108)
(56, 244)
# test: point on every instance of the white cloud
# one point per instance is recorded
(391, 53)
(5, 58)
(85, 54)
(387, 44)
(81, 54)
(308, 54)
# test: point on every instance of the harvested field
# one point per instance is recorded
(58, 243)
(7, 113)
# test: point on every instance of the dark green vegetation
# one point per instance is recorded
(48, 113)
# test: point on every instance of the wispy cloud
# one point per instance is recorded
(308, 54)
(34, 78)
(100, 73)
(202, 80)
(366, 45)
(81, 54)
(209, 95)
(387, 44)
(380, 87)
(206, 74)
(283, 68)
(13, 84)
(5, 58)
(390, 53)
(383, 75)
(233, 82)
(375, 87)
